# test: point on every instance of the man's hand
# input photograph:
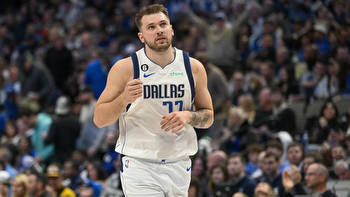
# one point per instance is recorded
(175, 121)
(291, 177)
(133, 90)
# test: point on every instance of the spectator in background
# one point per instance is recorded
(193, 190)
(86, 191)
(316, 179)
(264, 110)
(35, 83)
(276, 147)
(40, 123)
(328, 85)
(199, 172)
(220, 39)
(5, 183)
(110, 154)
(342, 170)
(237, 175)
(25, 153)
(283, 117)
(218, 175)
(59, 61)
(217, 86)
(263, 190)
(10, 136)
(288, 84)
(319, 128)
(237, 87)
(20, 186)
(238, 134)
(71, 174)
(5, 158)
(216, 157)
(253, 151)
(55, 182)
(113, 186)
(309, 80)
(37, 185)
(96, 72)
(271, 173)
(295, 154)
(64, 131)
(310, 158)
(246, 103)
(91, 137)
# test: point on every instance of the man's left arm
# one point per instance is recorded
(203, 116)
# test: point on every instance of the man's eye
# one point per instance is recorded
(150, 27)
(163, 24)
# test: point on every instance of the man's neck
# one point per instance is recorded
(319, 188)
(161, 58)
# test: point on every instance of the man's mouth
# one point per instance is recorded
(161, 39)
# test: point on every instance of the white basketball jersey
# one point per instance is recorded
(165, 89)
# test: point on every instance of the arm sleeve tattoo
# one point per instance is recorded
(201, 118)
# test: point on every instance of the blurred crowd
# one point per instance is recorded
(261, 57)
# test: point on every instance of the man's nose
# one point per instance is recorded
(159, 31)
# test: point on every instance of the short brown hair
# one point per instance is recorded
(237, 155)
(148, 10)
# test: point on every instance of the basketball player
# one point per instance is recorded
(152, 93)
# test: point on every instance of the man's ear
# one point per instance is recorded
(172, 30)
(141, 37)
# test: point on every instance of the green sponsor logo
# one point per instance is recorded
(176, 74)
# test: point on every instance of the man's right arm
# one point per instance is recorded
(120, 90)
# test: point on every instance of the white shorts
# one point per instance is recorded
(156, 179)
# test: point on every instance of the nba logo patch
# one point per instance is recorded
(127, 163)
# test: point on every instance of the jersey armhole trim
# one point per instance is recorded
(189, 73)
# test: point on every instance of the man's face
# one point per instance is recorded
(342, 173)
(156, 32)
(235, 166)
(338, 153)
(32, 184)
(271, 166)
(312, 177)
(295, 155)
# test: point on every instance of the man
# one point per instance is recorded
(316, 179)
(271, 173)
(295, 154)
(342, 170)
(91, 137)
(64, 131)
(236, 171)
(152, 93)
(37, 185)
(71, 174)
(55, 182)
(283, 116)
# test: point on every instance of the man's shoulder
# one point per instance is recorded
(123, 66)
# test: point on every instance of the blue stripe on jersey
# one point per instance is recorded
(135, 63)
(189, 73)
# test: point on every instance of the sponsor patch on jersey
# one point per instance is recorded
(174, 74)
